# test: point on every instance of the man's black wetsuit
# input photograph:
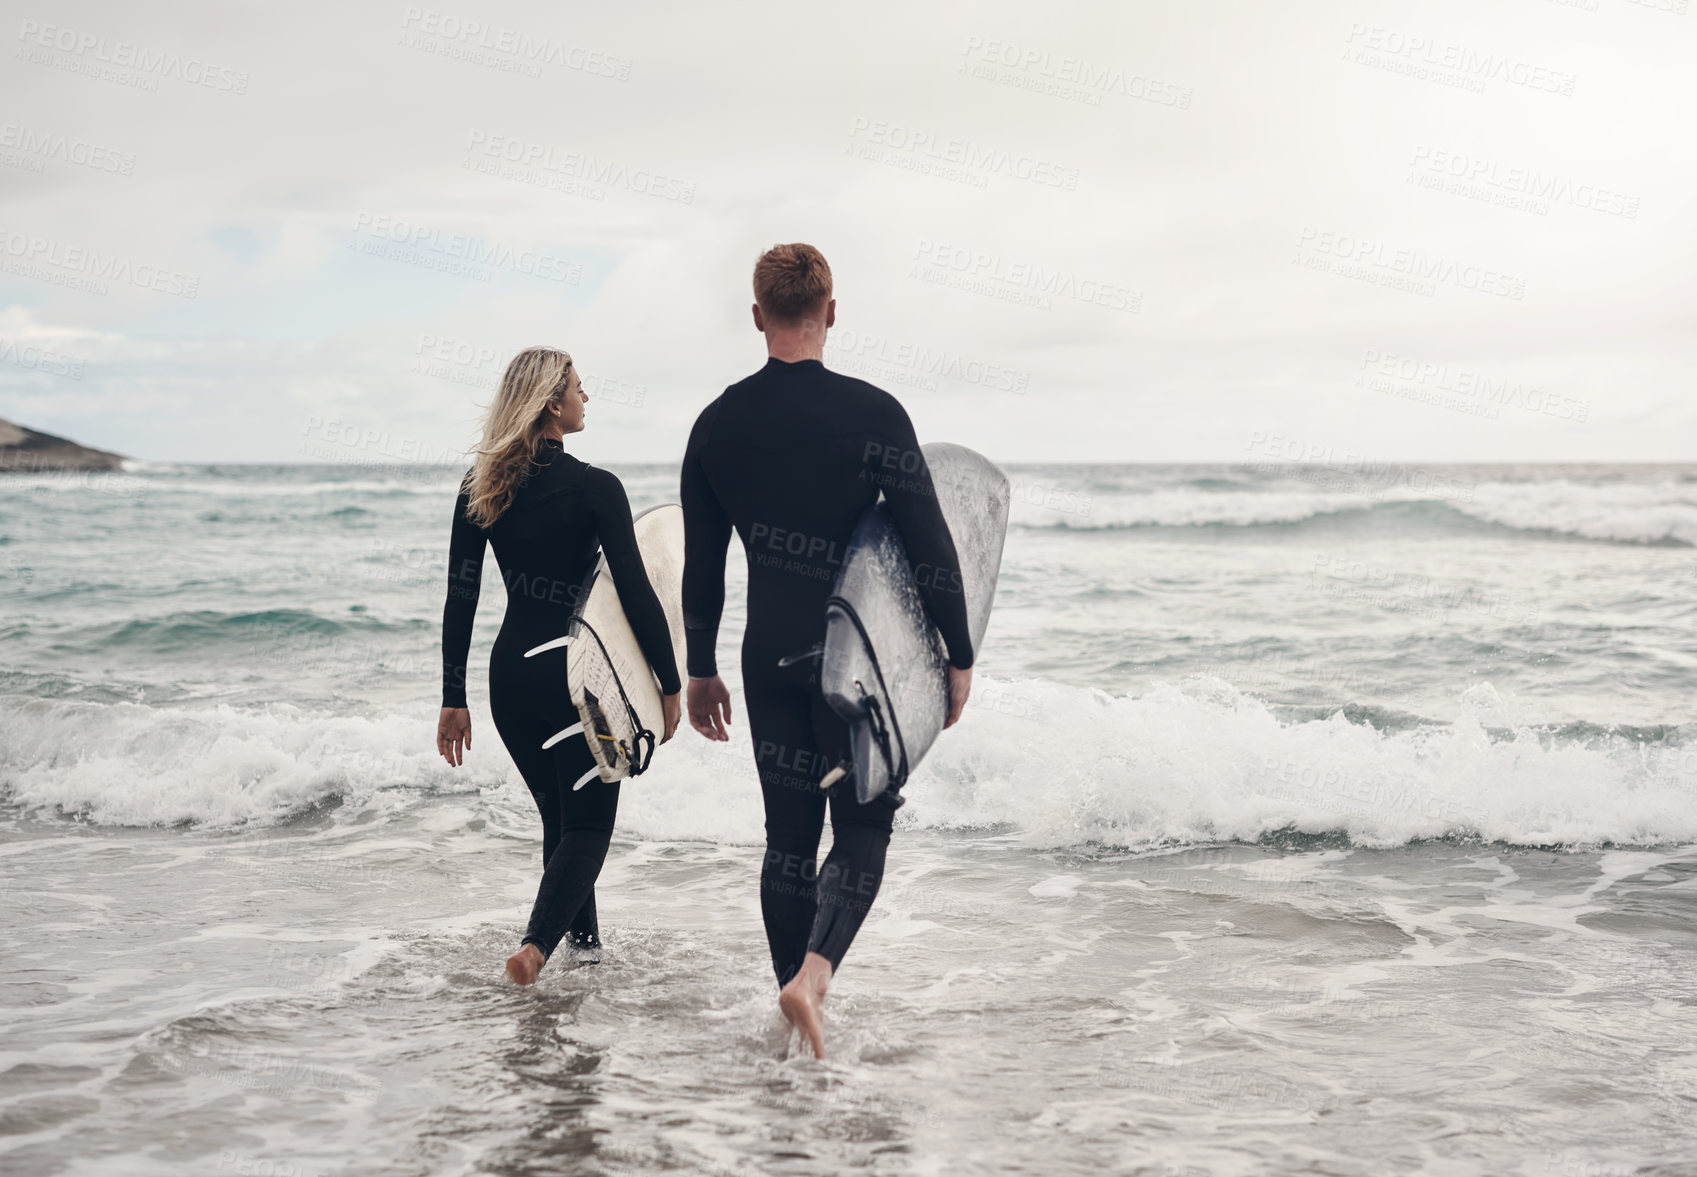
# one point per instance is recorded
(791, 457)
(545, 544)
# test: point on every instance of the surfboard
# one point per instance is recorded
(607, 675)
(885, 668)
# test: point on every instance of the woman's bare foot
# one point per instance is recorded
(523, 965)
(803, 1000)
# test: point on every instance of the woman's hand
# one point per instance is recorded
(709, 707)
(453, 734)
(671, 710)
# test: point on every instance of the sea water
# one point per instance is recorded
(1305, 819)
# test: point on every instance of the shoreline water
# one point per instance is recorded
(1222, 872)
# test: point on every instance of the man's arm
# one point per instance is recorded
(707, 535)
(896, 465)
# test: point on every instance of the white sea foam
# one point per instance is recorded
(1628, 512)
(1062, 766)
(130, 764)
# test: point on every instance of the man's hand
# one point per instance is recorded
(453, 734)
(960, 687)
(710, 707)
(670, 711)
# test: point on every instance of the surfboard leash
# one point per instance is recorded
(882, 725)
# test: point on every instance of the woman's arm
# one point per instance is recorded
(465, 582)
(606, 495)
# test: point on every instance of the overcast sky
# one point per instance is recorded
(1126, 231)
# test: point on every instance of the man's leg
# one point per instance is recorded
(781, 726)
(853, 871)
(860, 837)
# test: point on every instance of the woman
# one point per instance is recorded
(546, 513)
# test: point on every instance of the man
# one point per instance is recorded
(791, 457)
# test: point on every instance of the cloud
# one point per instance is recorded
(1167, 226)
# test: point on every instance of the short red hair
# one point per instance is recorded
(791, 282)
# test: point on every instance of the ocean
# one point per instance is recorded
(1335, 818)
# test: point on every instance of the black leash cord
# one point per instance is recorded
(643, 735)
(875, 713)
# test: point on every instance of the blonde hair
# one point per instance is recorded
(791, 281)
(513, 430)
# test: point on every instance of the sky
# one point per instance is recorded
(1184, 230)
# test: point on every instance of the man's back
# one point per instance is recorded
(792, 456)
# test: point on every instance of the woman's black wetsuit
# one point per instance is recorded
(791, 457)
(545, 544)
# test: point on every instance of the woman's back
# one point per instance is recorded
(546, 543)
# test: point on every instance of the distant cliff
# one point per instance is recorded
(24, 451)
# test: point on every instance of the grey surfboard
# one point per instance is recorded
(885, 668)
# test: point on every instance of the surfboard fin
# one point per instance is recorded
(563, 733)
(546, 646)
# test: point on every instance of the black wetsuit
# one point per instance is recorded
(545, 544)
(791, 457)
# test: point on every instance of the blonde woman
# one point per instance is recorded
(547, 514)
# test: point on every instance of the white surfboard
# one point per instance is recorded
(607, 675)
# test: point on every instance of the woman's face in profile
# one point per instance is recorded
(571, 403)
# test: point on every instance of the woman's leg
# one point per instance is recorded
(549, 775)
(584, 818)
(585, 931)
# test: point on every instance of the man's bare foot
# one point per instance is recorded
(523, 965)
(803, 1000)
